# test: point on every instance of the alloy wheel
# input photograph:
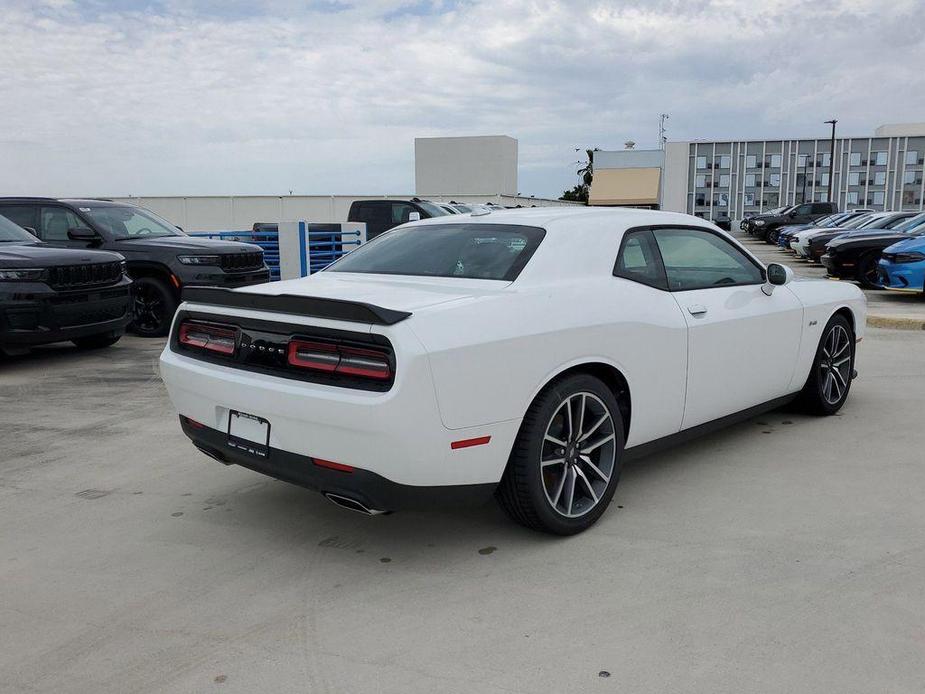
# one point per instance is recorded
(835, 364)
(148, 309)
(578, 454)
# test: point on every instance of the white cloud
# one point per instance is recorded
(177, 97)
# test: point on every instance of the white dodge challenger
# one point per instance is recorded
(523, 353)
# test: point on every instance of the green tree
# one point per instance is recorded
(585, 175)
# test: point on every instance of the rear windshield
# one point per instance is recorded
(473, 251)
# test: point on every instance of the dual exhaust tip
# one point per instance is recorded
(353, 504)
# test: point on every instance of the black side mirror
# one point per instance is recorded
(82, 234)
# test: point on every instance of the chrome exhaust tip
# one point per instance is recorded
(352, 504)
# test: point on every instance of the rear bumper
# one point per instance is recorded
(38, 315)
(397, 434)
(372, 490)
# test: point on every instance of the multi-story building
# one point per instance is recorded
(728, 179)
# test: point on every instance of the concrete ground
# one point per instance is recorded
(785, 554)
(886, 308)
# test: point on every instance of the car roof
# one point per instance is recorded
(96, 202)
(546, 217)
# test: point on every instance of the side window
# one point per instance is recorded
(23, 215)
(55, 221)
(700, 259)
(823, 208)
(401, 212)
(373, 212)
(638, 260)
(804, 209)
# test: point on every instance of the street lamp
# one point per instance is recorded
(832, 160)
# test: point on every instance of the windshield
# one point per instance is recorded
(911, 223)
(896, 223)
(10, 232)
(473, 251)
(858, 222)
(130, 222)
(829, 220)
(432, 209)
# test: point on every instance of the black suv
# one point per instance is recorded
(382, 215)
(52, 295)
(161, 257)
(765, 226)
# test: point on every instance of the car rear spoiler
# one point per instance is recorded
(335, 309)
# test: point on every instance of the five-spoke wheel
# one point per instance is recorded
(565, 464)
(829, 381)
(578, 454)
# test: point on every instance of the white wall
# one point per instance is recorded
(674, 177)
(238, 213)
(468, 165)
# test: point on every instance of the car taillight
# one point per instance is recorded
(339, 359)
(209, 336)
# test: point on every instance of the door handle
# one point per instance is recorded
(697, 309)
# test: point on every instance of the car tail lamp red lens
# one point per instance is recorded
(211, 337)
(340, 359)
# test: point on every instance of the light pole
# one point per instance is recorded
(832, 160)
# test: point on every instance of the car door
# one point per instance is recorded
(803, 214)
(742, 343)
(54, 223)
(651, 339)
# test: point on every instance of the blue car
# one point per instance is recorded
(902, 265)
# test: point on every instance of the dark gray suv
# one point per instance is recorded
(161, 258)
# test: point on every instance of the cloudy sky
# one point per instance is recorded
(148, 97)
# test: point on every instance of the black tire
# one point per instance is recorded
(98, 341)
(153, 307)
(772, 237)
(815, 397)
(868, 271)
(525, 488)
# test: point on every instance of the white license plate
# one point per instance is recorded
(249, 433)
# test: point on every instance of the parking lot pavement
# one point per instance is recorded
(783, 554)
(886, 308)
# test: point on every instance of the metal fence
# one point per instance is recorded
(319, 245)
(322, 244)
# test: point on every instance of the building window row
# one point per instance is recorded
(774, 161)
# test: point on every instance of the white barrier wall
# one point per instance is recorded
(237, 213)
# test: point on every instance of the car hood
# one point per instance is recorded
(916, 243)
(861, 239)
(187, 244)
(38, 255)
(398, 292)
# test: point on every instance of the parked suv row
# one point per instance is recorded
(765, 226)
(160, 257)
(52, 295)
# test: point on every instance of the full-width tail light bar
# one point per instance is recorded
(210, 337)
(339, 359)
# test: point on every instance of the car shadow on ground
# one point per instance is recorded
(294, 517)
